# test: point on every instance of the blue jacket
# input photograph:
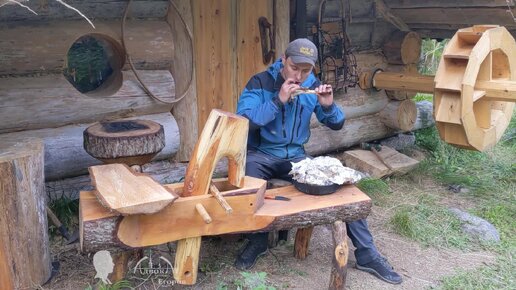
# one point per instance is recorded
(282, 129)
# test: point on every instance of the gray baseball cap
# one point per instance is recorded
(302, 50)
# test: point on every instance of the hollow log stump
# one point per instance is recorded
(24, 244)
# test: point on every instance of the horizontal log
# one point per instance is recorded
(93, 9)
(348, 204)
(64, 153)
(28, 103)
(404, 4)
(456, 15)
(42, 48)
(355, 131)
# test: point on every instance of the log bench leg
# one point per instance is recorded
(120, 268)
(302, 242)
(187, 260)
(339, 267)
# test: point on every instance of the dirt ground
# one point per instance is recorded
(421, 268)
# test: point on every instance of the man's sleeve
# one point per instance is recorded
(251, 104)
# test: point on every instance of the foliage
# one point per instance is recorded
(122, 284)
(66, 210)
(253, 281)
(88, 64)
(431, 52)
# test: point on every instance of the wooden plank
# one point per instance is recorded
(367, 162)
(282, 25)
(449, 110)
(347, 204)
(93, 9)
(183, 70)
(249, 50)
(64, 152)
(128, 192)
(214, 57)
(184, 222)
(28, 103)
(38, 49)
(452, 78)
(404, 4)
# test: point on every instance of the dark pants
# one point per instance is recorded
(266, 167)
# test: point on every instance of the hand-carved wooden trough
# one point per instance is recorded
(208, 207)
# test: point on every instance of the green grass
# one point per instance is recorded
(490, 180)
(430, 224)
(377, 189)
(423, 97)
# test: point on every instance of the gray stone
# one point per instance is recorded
(476, 227)
(400, 141)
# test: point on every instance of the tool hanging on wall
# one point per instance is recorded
(337, 64)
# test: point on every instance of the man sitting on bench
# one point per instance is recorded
(279, 126)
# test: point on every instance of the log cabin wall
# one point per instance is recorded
(37, 100)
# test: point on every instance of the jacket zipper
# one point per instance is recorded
(283, 121)
(300, 120)
(294, 125)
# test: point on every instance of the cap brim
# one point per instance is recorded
(302, 59)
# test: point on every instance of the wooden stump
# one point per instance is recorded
(130, 142)
(302, 242)
(24, 245)
(399, 115)
(339, 267)
(403, 47)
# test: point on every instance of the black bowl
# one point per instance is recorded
(316, 189)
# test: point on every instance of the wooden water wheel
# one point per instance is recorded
(474, 88)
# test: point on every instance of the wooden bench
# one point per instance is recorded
(100, 226)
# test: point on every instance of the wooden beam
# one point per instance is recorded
(183, 70)
(409, 82)
(497, 90)
(387, 15)
(455, 15)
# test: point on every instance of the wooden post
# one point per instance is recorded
(24, 245)
(302, 242)
(339, 267)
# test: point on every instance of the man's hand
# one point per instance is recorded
(288, 87)
(325, 95)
